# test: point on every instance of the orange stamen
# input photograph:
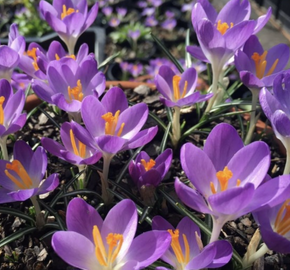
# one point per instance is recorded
(111, 123)
(148, 165)
(176, 91)
(282, 222)
(66, 12)
(76, 92)
(2, 99)
(223, 27)
(32, 53)
(224, 177)
(81, 149)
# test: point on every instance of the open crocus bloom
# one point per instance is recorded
(113, 125)
(23, 177)
(11, 106)
(258, 68)
(274, 224)
(68, 18)
(149, 172)
(186, 251)
(73, 150)
(178, 90)
(227, 177)
(221, 35)
(69, 82)
(108, 244)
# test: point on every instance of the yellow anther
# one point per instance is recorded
(224, 177)
(114, 241)
(261, 64)
(176, 91)
(111, 123)
(175, 245)
(81, 149)
(32, 53)
(282, 222)
(24, 181)
(66, 12)
(76, 92)
(2, 99)
(223, 27)
(238, 182)
(212, 188)
(148, 165)
(72, 56)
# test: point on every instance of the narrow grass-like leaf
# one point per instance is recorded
(16, 213)
(168, 53)
(47, 235)
(49, 117)
(165, 138)
(108, 60)
(82, 192)
(158, 120)
(17, 235)
(34, 110)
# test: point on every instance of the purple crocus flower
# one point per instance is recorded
(169, 24)
(155, 3)
(20, 81)
(178, 90)
(148, 11)
(259, 68)
(68, 18)
(277, 109)
(187, 7)
(11, 106)
(142, 4)
(108, 244)
(69, 83)
(114, 22)
(107, 11)
(9, 60)
(135, 69)
(134, 34)
(73, 150)
(125, 66)
(121, 11)
(225, 187)
(146, 171)
(22, 178)
(151, 21)
(186, 251)
(274, 226)
(169, 14)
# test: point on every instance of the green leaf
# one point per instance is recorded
(108, 60)
(158, 120)
(188, 61)
(16, 213)
(165, 138)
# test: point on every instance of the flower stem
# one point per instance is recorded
(82, 183)
(214, 88)
(216, 229)
(175, 127)
(36, 205)
(259, 253)
(107, 197)
(255, 95)
(3, 145)
(39, 216)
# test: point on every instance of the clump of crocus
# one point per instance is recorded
(147, 173)
(11, 117)
(73, 150)
(259, 68)
(277, 109)
(108, 244)
(68, 18)
(114, 127)
(187, 251)
(22, 178)
(225, 187)
(221, 35)
(69, 82)
(178, 91)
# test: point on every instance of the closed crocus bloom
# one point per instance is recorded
(69, 82)
(149, 172)
(225, 187)
(259, 68)
(22, 178)
(73, 150)
(108, 244)
(69, 18)
(186, 251)
(178, 90)
(277, 108)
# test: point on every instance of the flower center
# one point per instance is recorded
(2, 99)
(22, 180)
(32, 53)
(114, 241)
(176, 91)
(282, 222)
(223, 27)
(148, 165)
(76, 92)
(111, 123)
(175, 245)
(79, 150)
(68, 56)
(261, 63)
(223, 177)
(66, 12)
